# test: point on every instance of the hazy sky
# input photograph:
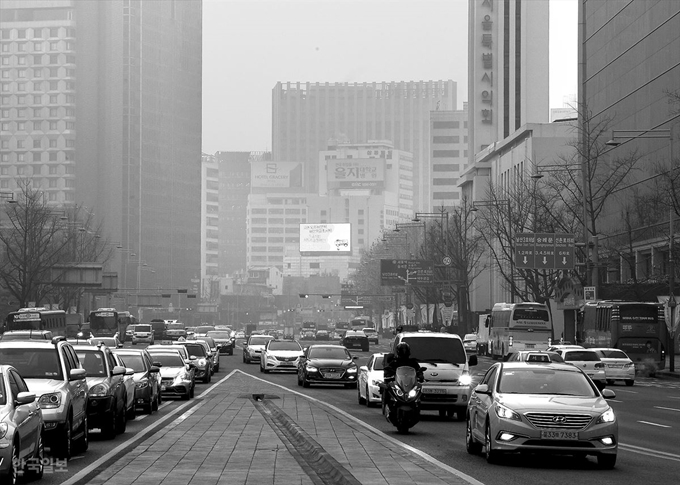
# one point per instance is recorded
(249, 45)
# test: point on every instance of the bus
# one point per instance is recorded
(308, 330)
(637, 328)
(38, 318)
(519, 326)
(125, 319)
(104, 322)
(341, 328)
(362, 322)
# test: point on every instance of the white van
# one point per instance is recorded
(447, 385)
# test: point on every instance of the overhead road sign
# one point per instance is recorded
(544, 251)
(401, 272)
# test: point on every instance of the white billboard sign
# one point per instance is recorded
(275, 174)
(326, 238)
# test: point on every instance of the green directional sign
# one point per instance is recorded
(564, 251)
(544, 251)
(524, 250)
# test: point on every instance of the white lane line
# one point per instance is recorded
(137, 437)
(673, 397)
(654, 424)
(649, 452)
(143, 416)
(416, 451)
(628, 392)
(667, 409)
(613, 400)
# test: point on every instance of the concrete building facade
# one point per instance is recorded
(448, 155)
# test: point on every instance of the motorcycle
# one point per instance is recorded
(401, 400)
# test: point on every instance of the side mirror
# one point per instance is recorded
(355, 357)
(193, 357)
(472, 360)
(423, 369)
(129, 371)
(25, 398)
(158, 364)
(608, 394)
(482, 389)
(77, 374)
(118, 371)
(154, 369)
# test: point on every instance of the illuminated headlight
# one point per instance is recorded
(507, 413)
(412, 393)
(606, 417)
(465, 379)
(311, 368)
(607, 441)
(3, 430)
(397, 390)
(352, 369)
(202, 362)
(99, 390)
(142, 384)
(50, 401)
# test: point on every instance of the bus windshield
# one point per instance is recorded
(103, 323)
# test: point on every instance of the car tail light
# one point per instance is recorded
(510, 341)
(599, 365)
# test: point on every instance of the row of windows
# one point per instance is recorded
(445, 181)
(448, 167)
(37, 60)
(53, 45)
(34, 33)
(23, 157)
(448, 139)
(37, 170)
(36, 99)
(447, 153)
(262, 220)
(51, 184)
(443, 125)
(41, 113)
(275, 230)
(40, 86)
(445, 196)
(52, 142)
(40, 125)
(273, 240)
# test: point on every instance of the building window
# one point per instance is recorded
(36, 143)
(445, 153)
(314, 265)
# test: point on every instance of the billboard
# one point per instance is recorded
(275, 174)
(356, 173)
(326, 238)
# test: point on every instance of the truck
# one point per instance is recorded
(250, 329)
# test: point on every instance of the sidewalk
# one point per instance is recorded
(246, 431)
(666, 373)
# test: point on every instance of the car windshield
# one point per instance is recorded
(259, 340)
(378, 364)
(436, 349)
(196, 349)
(369, 330)
(134, 361)
(204, 329)
(33, 363)
(544, 381)
(284, 346)
(219, 335)
(3, 395)
(22, 336)
(612, 354)
(329, 353)
(168, 359)
(93, 362)
(208, 340)
(142, 328)
(581, 356)
(109, 342)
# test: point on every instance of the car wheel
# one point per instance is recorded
(442, 413)
(34, 466)
(305, 382)
(84, 441)
(122, 421)
(261, 368)
(244, 358)
(231, 352)
(13, 472)
(131, 413)
(471, 444)
(192, 391)
(630, 382)
(606, 461)
(206, 378)
(62, 448)
(148, 408)
(610, 382)
(110, 426)
(491, 454)
(460, 414)
(217, 369)
(360, 399)
(298, 379)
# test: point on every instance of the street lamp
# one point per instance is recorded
(498, 203)
(659, 133)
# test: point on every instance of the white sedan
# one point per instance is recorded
(618, 366)
(280, 355)
(370, 377)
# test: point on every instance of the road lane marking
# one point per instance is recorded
(625, 391)
(82, 474)
(416, 451)
(163, 404)
(667, 409)
(649, 452)
(654, 424)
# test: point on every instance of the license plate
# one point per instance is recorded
(615, 366)
(434, 391)
(166, 342)
(332, 375)
(559, 435)
(530, 346)
(289, 364)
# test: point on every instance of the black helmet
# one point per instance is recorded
(403, 350)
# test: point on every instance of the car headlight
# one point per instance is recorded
(412, 393)
(50, 401)
(99, 390)
(311, 368)
(3, 430)
(271, 357)
(352, 370)
(606, 417)
(507, 413)
(202, 362)
(142, 384)
(465, 379)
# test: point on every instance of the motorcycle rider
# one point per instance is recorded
(401, 357)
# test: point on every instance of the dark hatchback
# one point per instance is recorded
(355, 339)
(327, 364)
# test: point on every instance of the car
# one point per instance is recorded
(175, 331)
(555, 348)
(177, 376)
(282, 355)
(21, 428)
(370, 377)
(111, 342)
(254, 347)
(587, 360)
(355, 339)
(129, 383)
(147, 378)
(214, 352)
(372, 335)
(174, 346)
(26, 335)
(202, 330)
(470, 342)
(129, 331)
(200, 357)
(321, 335)
(327, 364)
(618, 366)
(53, 372)
(541, 408)
(240, 335)
(143, 334)
(107, 396)
(534, 356)
(224, 340)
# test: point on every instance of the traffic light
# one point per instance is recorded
(326, 296)
(303, 295)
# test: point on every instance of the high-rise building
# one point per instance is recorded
(448, 155)
(101, 107)
(307, 115)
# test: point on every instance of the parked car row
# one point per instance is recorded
(53, 392)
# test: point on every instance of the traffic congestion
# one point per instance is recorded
(87, 390)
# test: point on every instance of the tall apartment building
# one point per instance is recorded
(210, 227)
(307, 115)
(101, 107)
(448, 155)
